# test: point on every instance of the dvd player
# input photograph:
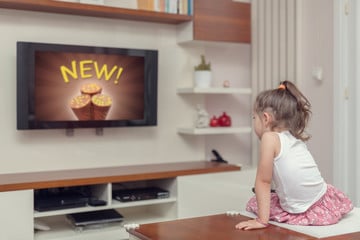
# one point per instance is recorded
(84, 219)
(60, 198)
(58, 202)
(137, 194)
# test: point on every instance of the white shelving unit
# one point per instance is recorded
(215, 90)
(140, 212)
(62, 230)
(19, 193)
(114, 204)
(214, 130)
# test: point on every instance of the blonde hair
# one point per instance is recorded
(289, 107)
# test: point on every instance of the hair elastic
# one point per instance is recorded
(282, 86)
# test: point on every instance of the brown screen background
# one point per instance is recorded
(53, 94)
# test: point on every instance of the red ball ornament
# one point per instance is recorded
(214, 122)
(224, 120)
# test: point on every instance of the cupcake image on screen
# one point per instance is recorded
(81, 106)
(101, 105)
(91, 89)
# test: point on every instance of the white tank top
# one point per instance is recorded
(296, 176)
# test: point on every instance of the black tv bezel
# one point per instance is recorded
(25, 68)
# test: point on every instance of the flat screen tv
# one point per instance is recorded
(71, 86)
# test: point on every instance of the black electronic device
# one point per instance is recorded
(218, 157)
(97, 202)
(85, 219)
(137, 194)
(60, 198)
(71, 86)
(57, 202)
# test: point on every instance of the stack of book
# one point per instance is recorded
(168, 6)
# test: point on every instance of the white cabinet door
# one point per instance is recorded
(216, 193)
(16, 215)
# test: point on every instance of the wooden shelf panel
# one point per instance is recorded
(80, 177)
(222, 20)
(90, 10)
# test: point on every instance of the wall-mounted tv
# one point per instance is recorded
(71, 86)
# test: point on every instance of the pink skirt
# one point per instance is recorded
(329, 209)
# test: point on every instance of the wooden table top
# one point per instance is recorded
(80, 177)
(220, 227)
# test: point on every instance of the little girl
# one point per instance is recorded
(301, 195)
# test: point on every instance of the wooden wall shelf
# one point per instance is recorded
(67, 178)
(222, 21)
(48, 6)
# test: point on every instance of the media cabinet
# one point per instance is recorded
(17, 198)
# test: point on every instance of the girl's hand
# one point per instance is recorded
(249, 225)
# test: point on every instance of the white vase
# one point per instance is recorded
(202, 79)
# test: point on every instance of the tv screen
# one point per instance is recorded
(71, 86)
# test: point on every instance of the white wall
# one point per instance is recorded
(51, 149)
(304, 29)
(316, 49)
(346, 115)
(239, 107)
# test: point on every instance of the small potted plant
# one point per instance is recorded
(203, 74)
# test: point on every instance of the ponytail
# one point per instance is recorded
(303, 111)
